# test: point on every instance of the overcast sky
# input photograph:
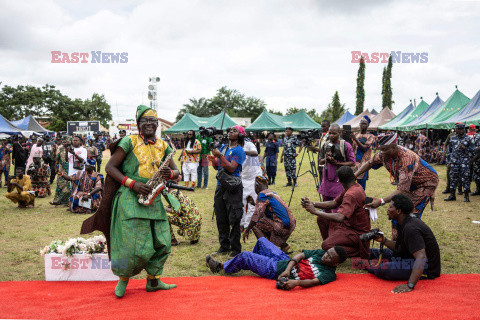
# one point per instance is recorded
(288, 53)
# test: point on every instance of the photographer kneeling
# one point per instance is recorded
(408, 256)
(344, 227)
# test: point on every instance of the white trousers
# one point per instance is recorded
(190, 170)
(248, 190)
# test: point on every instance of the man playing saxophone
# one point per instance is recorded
(139, 234)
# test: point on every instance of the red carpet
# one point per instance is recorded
(359, 296)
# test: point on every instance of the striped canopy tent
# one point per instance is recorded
(470, 114)
(392, 123)
(422, 106)
(437, 103)
(439, 119)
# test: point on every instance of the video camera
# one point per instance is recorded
(373, 234)
(333, 151)
(214, 133)
(309, 135)
(209, 132)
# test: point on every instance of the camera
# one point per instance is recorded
(308, 135)
(333, 151)
(213, 133)
(281, 282)
(373, 234)
(209, 132)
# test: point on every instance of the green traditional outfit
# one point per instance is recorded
(140, 235)
(64, 188)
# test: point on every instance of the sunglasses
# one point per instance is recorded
(147, 120)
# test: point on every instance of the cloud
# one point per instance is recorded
(287, 53)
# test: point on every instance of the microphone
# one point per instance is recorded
(173, 185)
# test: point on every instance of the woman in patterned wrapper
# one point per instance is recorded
(188, 218)
(64, 188)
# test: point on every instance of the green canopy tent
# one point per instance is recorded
(422, 106)
(439, 119)
(470, 114)
(267, 121)
(392, 123)
(191, 122)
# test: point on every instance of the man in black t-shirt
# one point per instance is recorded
(414, 256)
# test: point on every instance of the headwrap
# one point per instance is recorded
(240, 129)
(261, 180)
(387, 139)
(144, 111)
(366, 118)
(459, 125)
(91, 163)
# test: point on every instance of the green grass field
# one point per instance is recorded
(24, 232)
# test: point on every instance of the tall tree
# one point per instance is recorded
(387, 93)
(334, 110)
(360, 87)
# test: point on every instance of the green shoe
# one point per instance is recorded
(156, 284)
(121, 287)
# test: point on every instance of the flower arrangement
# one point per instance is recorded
(96, 244)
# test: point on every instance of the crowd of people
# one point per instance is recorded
(74, 162)
(342, 217)
(244, 200)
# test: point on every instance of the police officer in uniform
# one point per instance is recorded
(289, 152)
(476, 164)
(445, 148)
(459, 155)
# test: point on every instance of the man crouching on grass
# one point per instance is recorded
(306, 269)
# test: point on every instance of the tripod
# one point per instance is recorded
(313, 170)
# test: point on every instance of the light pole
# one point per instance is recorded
(152, 92)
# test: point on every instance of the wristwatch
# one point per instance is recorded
(410, 285)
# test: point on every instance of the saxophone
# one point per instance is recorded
(157, 182)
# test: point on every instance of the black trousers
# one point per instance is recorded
(99, 164)
(53, 172)
(228, 221)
